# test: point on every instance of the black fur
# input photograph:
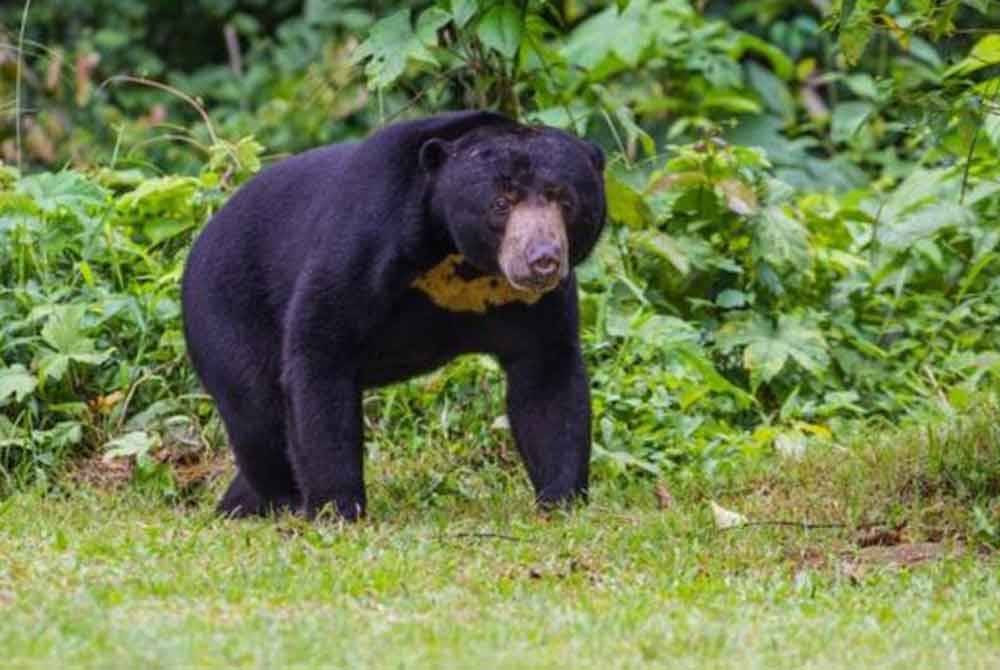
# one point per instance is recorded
(297, 296)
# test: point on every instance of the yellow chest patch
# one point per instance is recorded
(447, 289)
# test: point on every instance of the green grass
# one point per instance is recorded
(458, 572)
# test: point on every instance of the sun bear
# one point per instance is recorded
(362, 264)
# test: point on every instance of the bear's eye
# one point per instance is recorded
(501, 205)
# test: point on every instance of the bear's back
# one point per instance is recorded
(250, 252)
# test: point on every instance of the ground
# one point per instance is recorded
(458, 571)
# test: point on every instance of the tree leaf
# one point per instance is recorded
(16, 382)
(772, 91)
(500, 29)
(625, 204)
(857, 23)
(731, 299)
(848, 118)
(462, 11)
(429, 22)
(984, 54)
(390, 45)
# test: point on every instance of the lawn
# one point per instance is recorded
(459, 572)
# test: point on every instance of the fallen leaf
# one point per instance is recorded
(725, 518)
(500, 423)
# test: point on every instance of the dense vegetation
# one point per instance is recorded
(805, 201)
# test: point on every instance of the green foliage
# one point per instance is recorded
(91, 330)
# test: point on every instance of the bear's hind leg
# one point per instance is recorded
(264, 483)
(240, 500)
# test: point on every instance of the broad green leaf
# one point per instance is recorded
(52, 365)
(767, 348)
(16, 382)
(160, 194)
(780, 62)
(429, 22)
(857, 23)
(984, 54)
(391, 44)
(916, 191)
(462, 11)
(64, 333)
(805, 343)
(633, 132)
(981, 6)
(772, 91)
(625, 204)
(781, 240)
(137, 443)
(61, 436)
(610, 35)
(863, 85)
(500, 29)
(65, 190)
(848, 118)
(922, 224)
(731, 299)
(666, 247)
(660, 330)
(765, 357)
(63, 330)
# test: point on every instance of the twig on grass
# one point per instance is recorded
(481, 536)
(803, 525)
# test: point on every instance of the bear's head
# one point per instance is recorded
(524, 202)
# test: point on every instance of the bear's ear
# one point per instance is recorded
(433, 154)
(596, 155)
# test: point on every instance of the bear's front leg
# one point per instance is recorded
(548, 405)
(325, 438)
(321, 382)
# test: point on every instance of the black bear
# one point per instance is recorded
(361, 264)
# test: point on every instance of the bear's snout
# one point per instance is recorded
(543, 259)
(534, 253)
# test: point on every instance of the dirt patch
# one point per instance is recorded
(905, 555)
(94, 472)
(908, 555)
(190, 468)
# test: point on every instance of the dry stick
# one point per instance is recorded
(17, 83)
(233, 47)
(806, 526)
(482, 536)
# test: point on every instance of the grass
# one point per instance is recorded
(456, 571)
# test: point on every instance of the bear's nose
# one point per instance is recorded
(543, 259)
